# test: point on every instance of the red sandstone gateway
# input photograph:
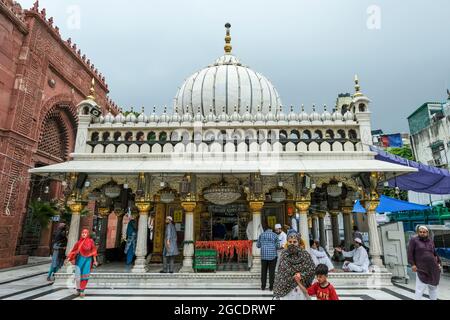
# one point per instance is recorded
(42, 78)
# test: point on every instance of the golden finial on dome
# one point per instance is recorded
(91, 95)
(357, 87)
(228, 46)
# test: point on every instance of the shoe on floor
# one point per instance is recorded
(162, 271)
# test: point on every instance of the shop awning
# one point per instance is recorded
(388, 204)
(426, 179)
(272, 166)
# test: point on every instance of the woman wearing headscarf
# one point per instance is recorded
(425, 263)
(59, 247)
(130, 247)
(293, 260)
(84, 256)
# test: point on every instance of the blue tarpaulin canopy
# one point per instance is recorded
(428, 179)
(388, 204)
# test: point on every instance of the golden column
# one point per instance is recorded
(144, 206)
(255, 209)
(188, 249)
(303, 208)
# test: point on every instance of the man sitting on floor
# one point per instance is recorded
(360, 258)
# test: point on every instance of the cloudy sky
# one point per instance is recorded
(309, 49)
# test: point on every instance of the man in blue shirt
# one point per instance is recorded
(268, 242)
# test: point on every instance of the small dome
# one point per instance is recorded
(270, 116)
(223, 117)
(187, 117)
(258, 116)
(281, 116)
(119, 118)
(326, 116)
(153, 117)
(348, 116)
(304, 115)
(131, 117)
(164, 117)
(211, 117)
(235, 117)
(175, 117)
(199, 117)
(142, 117)
(337, 116)
(292, 116)
(314, 116)
(109, 118)
(101, 119)
(247, 117)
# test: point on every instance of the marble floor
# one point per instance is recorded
(29, 283)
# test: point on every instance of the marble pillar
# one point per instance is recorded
(315, 226)
(303, 208)
(74, 232)
(255, 209)
(322, 231)
(188, 249)
(335, 228)
(348, 229)
(374, 239)
(140, 265)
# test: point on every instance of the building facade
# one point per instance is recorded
(227, 150)
(42, 79)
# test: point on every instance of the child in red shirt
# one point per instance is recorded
(321, 289)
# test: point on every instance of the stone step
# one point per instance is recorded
(216, 280)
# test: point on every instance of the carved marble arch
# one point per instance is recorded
(317, 134)
(295, 135)
(99, 182)
(306, 134)
(329, 134)
(352, 134)
(340, 134)
(348, 181)
(95, 136)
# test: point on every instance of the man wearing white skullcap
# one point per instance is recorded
(360, 257)
(282, 237)
(425, 263)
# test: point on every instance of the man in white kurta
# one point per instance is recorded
(282, 237)
(320, 257)
(360, 258)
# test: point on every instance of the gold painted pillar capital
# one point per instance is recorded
(256, 206)
(347, 210)
(104, 211)
(372, 205)
(334, 213)
(303, 206)
(189, 206)
(143, 207)
(76, 207)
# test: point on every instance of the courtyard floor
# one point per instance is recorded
(29, 283)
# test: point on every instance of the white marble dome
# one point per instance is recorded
(226, 84)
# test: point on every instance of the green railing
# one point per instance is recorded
(410, 219)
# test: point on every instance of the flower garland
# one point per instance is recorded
(227, 248)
